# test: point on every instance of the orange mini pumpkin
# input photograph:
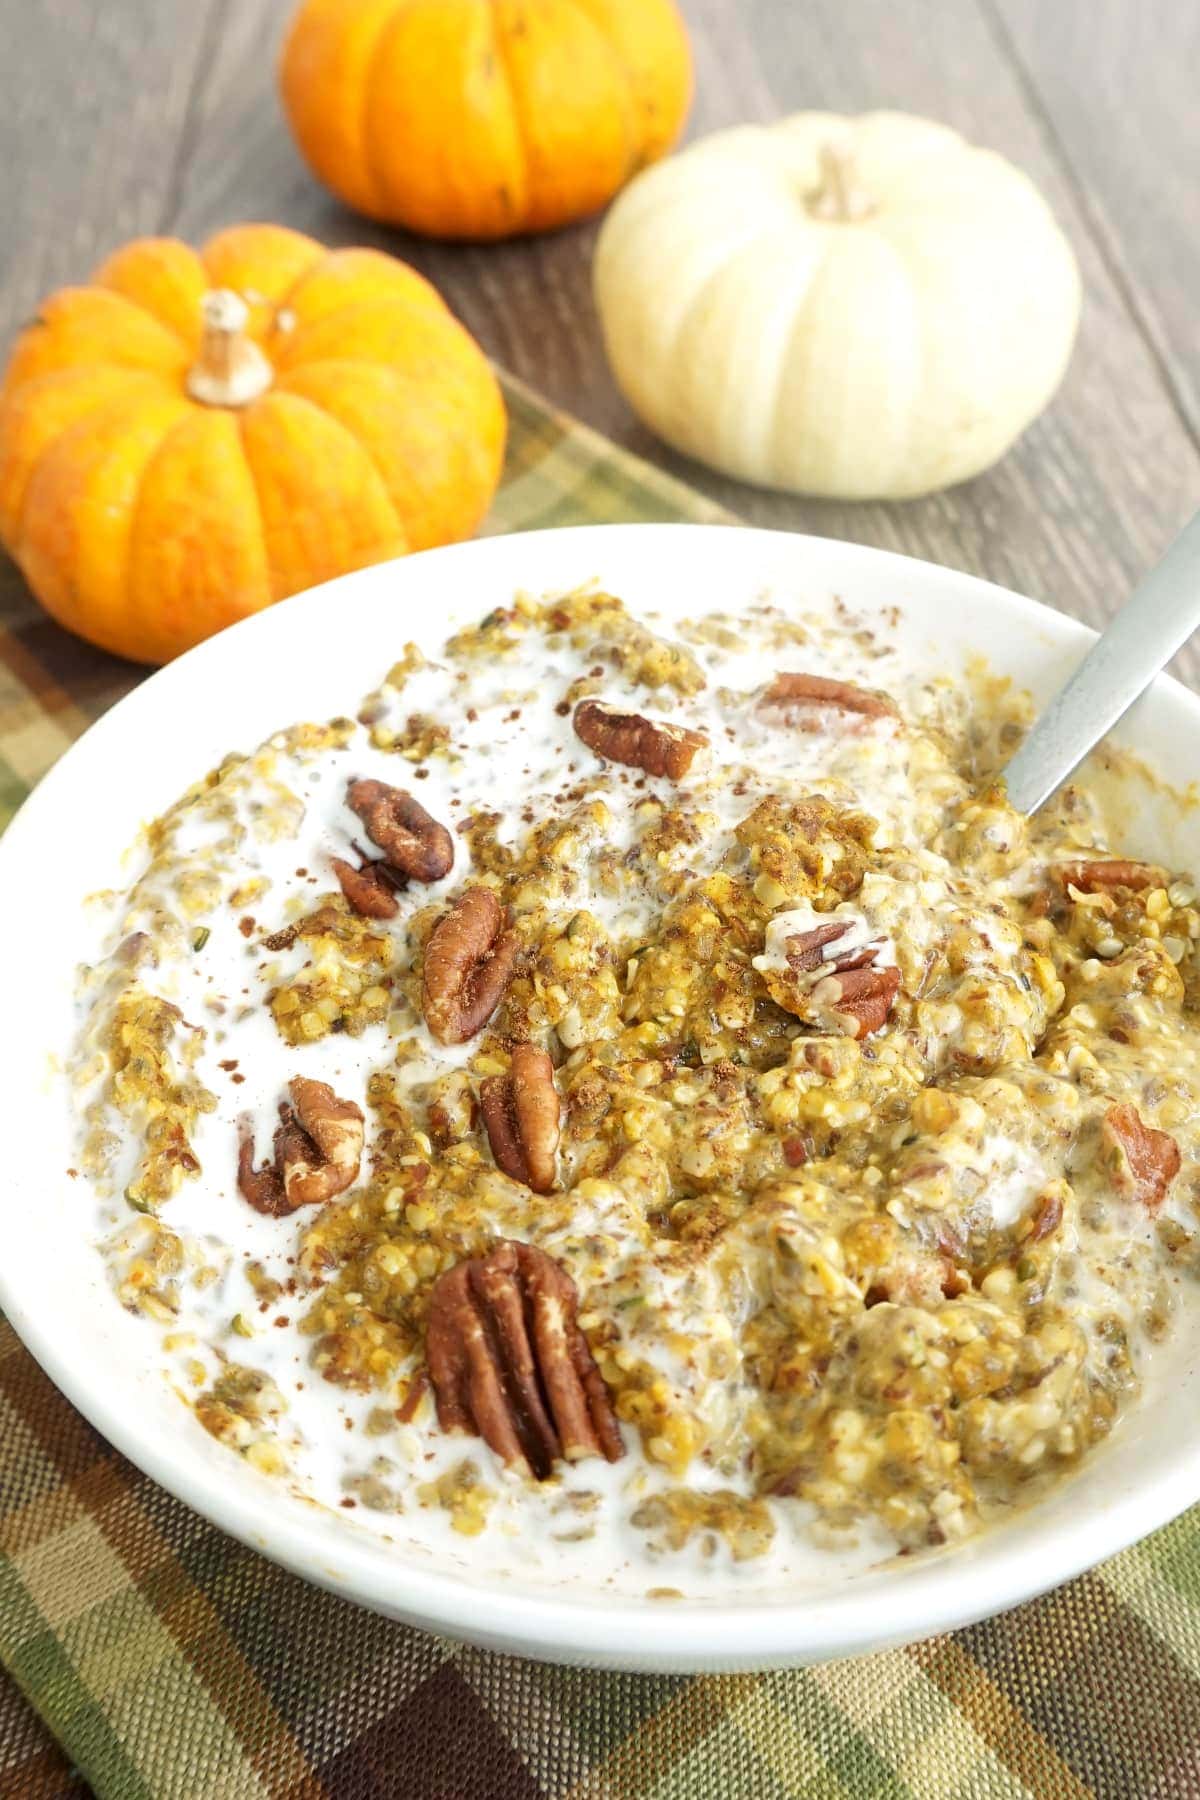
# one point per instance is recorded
(196, 435)
(484, 118)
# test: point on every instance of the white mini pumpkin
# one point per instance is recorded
(857, 308)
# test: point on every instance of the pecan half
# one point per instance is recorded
(521, 1113)
(510, 1365)
(317, 1151)
(844, 991)
(413, 842)
(1102, 874)
(856, 1001)
(1045, 1219)
(418, 1387)
(1146, 1161)
(807, 950)
(367, 889)
(649, 744)
(801, 694)
(468, 962)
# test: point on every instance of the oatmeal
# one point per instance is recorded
(643, 1100)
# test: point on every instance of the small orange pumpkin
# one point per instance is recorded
(484, 118)
(194, 436)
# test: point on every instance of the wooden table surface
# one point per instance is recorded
(122, 117)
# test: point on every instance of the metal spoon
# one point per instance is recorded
(1159, 616)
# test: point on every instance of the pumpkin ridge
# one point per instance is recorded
(635, 135)
(700, 298)
(543, 209)
(137, 259)
(656, 55)
(356, 314)
(281, 585)
(504, 63)
(424, 299)
(239, 243)
(479, 455)
(792, 296)
(335, 53)
(372, 173)
(126, 551)
(75, 592)
(56, 328)
(278, 587)
(285, 377)
(362, 363)
(715, 274)
(780, 420)
(164, 640)
(399, 48)
(108, 404)
(30, 391)
(136, 508)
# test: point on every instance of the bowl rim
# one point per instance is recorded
(617, 1632)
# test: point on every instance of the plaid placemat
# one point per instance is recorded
(158, 1658)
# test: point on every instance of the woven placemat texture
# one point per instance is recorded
(149, 1655)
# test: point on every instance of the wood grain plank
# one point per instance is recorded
(93, 109)
(93, 116)
(1118, 85)
(1085, 502)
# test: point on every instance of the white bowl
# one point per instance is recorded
(315, 656)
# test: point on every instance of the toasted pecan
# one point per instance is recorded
(412, 841)
(521, 1114)
(1103, 873)
(468, 963)
(410, 1406)
(847, 992)
(317, 1151)
(800, 694)
(1145, 1161)
(510, 1364)
(808, 950)
(860, 999)
(649, 744)
(805, 949)
(366, 889)
(1045, 1218)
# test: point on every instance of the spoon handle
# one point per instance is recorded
(1159, 616)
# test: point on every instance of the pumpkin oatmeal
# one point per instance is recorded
(644, 1100)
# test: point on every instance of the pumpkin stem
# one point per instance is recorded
(837, 195)
(230, 370)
